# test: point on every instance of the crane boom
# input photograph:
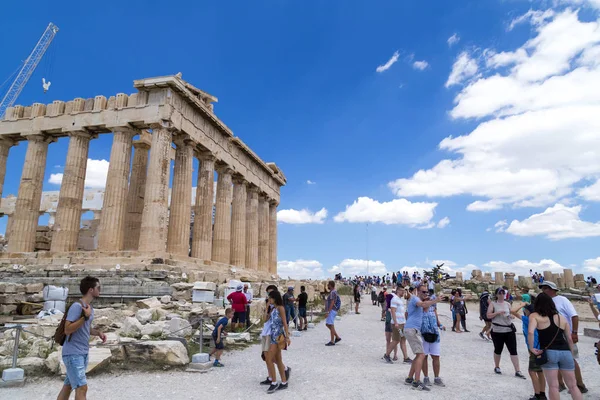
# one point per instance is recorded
(28, 67)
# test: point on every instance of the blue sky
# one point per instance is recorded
(492, 132)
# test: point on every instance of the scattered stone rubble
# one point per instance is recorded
(152, 329)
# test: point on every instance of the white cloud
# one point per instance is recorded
(557, 222)
(464, 68)
(522, 267)
(592, 192)
(452, 40)
(398, 211)
(389, 63)
(443, 222)
(589, 3)
(95, 174)
(535, 17)
(545, 103)
(309, 182)
(420, 65)
(351, 267)
(302, 216)
(500, 226)
(592, 265)
(301, 269)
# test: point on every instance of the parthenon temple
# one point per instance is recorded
(139, 215)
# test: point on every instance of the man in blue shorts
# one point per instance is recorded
(78, 328)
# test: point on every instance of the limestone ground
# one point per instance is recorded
(353, 369)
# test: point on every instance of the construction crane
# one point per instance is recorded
(27, 69)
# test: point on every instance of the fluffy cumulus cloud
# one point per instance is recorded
(557, 222)
(303, 216)
(398, 211)
(389, 63)
(464, 68)
(95, 175)
(537, 107)
(592, 265)
(301, 269)
(454, 39)
(522, 267)
(535, 17)
(351, 267)
(420, 65)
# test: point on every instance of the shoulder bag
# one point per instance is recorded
(542, 358)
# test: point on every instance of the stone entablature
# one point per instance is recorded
(176, 113)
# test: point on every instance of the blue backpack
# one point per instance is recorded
(338, 303)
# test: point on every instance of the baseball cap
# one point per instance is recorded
(290, 288)
(551, 285)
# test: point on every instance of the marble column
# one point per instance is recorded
(221, 246)
(25, 218)
(70, 199)
(135, 195)
(5, 145)
(202, 234)
(263, 233)
(9, 222)
(273, 237)
(568, 278)
(252, 228)
(238, 223)
(111, 231)
(180, 218)
(153, 235)
(499, 278)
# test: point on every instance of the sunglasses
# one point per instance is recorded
(423, 292)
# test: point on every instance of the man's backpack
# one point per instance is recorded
(337, 303)
(381, 297)
(59, 335)
(483, 305)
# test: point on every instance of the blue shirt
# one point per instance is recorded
(222, 322)
(415, 314)
(536, 342)
(78, 343)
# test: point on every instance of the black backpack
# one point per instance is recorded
(483, 305)
(381, 297)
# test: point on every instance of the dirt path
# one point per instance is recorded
(351, 370)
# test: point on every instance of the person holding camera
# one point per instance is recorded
(503, 332)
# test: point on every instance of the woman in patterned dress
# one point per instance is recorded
(279, 327)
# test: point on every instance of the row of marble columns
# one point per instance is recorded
(136, 214)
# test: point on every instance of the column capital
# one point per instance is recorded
(224, 169)
(239, 180)
(38, 136)
(141, 144)
(124, 129)
(204, 155)
(82, 134)
(273, 202)
(183, 139)
(163, 125)
(252, 189)
(4, 141)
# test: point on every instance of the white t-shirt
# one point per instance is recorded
(400, 305)
(565, 308)
(248, 296)
(431, 285)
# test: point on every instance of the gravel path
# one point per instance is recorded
(353, 369)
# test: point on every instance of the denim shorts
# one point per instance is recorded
(76, 366)
(302, 312)
(560, 359)
(331, 317)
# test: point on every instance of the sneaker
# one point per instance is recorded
(518, 374)
(497, 370)
(408, 381)
(272, 388)
(266, 382)
(481, 335)
(407, 360)
(338, 340)
(218, 364)
(288, 372)
(419, 386)
(330, 344)
(534, 397)
(426, 381)
(387, 359)
(562, 388)
(439, 382)
(582, 389)
(282, 386)
(465, 330)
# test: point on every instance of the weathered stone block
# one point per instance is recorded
(34, 287)
(8, 287)
(151, 302)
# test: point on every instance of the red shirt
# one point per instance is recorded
(238, 301)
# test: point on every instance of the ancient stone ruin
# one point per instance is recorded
(136, 222)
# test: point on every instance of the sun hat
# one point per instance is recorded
(290, 288)
(551, 285)
(239, 288)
